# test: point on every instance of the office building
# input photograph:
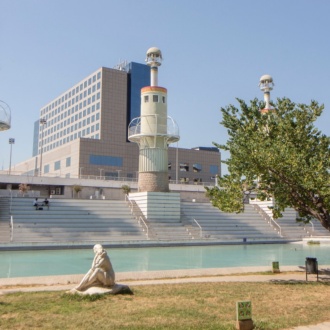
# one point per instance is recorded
(83, 132)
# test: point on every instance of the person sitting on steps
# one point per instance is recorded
(46, 203)
(35, 203)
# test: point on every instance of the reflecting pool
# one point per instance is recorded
(75, 261)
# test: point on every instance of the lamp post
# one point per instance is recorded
(42, 122)
(11, 142)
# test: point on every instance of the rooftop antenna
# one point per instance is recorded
(154, 60)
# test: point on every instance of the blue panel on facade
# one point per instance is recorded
(105, 160)
(214, 169)
(139, 77)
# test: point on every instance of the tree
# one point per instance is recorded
(126, 189)
(23, 188)
(280, 154)
(77, 189)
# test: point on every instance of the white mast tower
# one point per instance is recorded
(266, 84)
(153, 132)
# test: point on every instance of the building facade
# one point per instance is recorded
(83, 132)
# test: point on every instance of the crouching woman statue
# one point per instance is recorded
(101, 273)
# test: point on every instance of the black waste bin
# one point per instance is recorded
(312, 267)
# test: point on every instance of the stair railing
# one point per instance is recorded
(145, 225)
(200, 229)
(270, 220)
(11, 228)
(309, 223)
(139, 218)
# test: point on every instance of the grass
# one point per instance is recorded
(174, 306)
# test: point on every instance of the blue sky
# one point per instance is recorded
(214, 51)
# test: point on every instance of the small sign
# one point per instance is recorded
(276, 267)
(243, 310)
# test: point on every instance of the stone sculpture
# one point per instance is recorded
(101, 277)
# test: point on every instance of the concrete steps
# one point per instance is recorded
(220, 225)
(74, 221)
(5, 231)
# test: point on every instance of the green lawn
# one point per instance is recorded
(172, 306)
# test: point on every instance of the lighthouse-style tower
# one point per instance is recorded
(266, 84)
(154, 131)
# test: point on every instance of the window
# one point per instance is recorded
(57, 165)
(184, 167)
(197, 167)
(98, 85)
(98, 75)
(155, 98)
(163, 99)
(105, 160)
(46, 169)
(146, 98)
(169, 166)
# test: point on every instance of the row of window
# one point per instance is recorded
(57, 165)
(75, 90)
(83, 133)
(58, 117)
(56, 113)
(184, 167)
(52, 135)
(155, 99)
(76, 135)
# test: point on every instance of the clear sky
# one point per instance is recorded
(214, 51)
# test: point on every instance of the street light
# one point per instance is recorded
(11, 142)
(42, 122)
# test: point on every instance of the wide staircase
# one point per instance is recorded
(291, 228)
(73, 220)
(212, 223)
(287, 224)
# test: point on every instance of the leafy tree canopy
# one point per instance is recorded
(280, 154)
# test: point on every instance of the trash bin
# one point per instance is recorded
(312, 267)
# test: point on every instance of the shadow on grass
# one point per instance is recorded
(78, 297)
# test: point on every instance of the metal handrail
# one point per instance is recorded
(131, 206)
(11, 201)
(11, 228)
(141, 219)
(200, 229)
(260, 210)
(130, 203)
(310, 223)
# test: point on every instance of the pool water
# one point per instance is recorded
(65, 262)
